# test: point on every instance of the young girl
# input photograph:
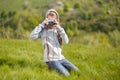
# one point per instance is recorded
(53, 35)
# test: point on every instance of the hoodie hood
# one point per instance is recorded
(52, 10)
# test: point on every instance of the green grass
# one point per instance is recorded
(16, 5)
(23, 60)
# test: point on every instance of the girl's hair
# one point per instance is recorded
(59, 38)
(51, 14)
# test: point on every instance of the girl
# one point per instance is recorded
(53, 35)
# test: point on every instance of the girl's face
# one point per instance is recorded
(52, 16)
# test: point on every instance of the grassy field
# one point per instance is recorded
(16, 5)
(23, 60)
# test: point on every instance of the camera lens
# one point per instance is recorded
(51, 22)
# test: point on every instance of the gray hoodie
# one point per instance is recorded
(52, 48)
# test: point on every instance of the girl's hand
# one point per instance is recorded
(46, 21)
(56, 22)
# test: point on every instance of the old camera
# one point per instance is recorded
(51, 22)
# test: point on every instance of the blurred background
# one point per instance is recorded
(91, 22)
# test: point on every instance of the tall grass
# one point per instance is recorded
(23, 60)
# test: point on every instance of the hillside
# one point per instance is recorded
(78, 17)
(16, 5)
(93, 28)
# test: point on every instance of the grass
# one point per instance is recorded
(16, 5)
(23, 60)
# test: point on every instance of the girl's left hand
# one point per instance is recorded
(56, 24)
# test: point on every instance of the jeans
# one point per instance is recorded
(62, 66)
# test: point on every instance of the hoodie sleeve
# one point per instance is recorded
(63, 34)
(36, 32)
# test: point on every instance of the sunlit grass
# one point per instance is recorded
(23, 60)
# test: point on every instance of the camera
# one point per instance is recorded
(51, 22)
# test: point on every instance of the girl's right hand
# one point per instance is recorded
(46, 21)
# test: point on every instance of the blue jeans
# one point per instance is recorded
(62, 66)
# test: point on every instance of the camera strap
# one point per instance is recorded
(47, 44)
